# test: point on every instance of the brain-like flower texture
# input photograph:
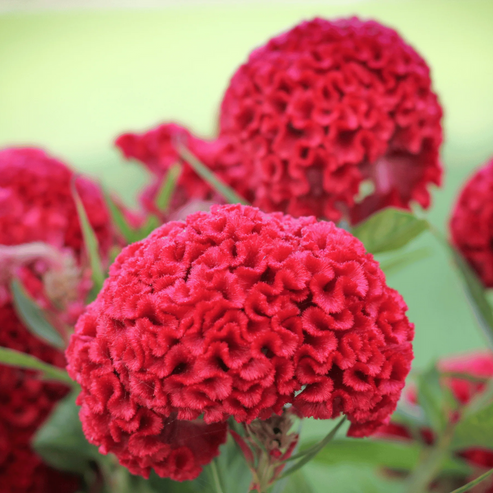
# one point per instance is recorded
(471, 225)
(39, 232)
(235, 313)
(327, 106)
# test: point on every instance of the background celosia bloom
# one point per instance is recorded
(36, 205)
(236, 313)
(326, 106)
(26, 401)
(157, 150)
(471, 225)
(477, 365)
(36, 202)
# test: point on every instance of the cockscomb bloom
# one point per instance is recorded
(236, 313)
(471, 225)
(478, 365)
(38, 215)
(327, 106)
(158, 150)
(26, 402)
(41, 244)
(36, 202)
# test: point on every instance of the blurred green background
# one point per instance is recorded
(72, 80)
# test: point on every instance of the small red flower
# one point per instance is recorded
(327, 106)
(38, 228)
(471, 225)
(236, 313)
(478, 364)
(157, 149)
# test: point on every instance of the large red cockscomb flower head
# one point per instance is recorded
(327, 105)
(471, 225)
(236, 313)
(36, 202)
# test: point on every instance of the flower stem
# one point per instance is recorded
(215, 477)
(431, 463)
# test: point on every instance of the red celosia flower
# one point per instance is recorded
(36, 205)
(36, 202)
(327, 105)
(157, 150)
(463, 389)
(471, 225)
(26, 401)
(236, 313)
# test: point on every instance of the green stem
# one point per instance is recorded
(431, 463)
(215, 477)
(117, 478)
(469, 486)
(168, 187)
(12, 357)
(206, 174)
(264, 471)
(464, 376)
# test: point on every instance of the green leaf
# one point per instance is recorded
(118, 218)
(400, 456)
(11, 357)
(410, 415)
(475, 292)
(90, 242)
(475, 430)
(151, 224)
(307, 455)
(389, 229)
(61, 441)
(296, 483)
(216, 183)
(130, 234)
(399, 261)
(465, 376)
(431, 398)
(216, 480)
(232, 467)
(413, 418)
(33, 316)
(469, 486)
(481, 401)
(167, 188)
